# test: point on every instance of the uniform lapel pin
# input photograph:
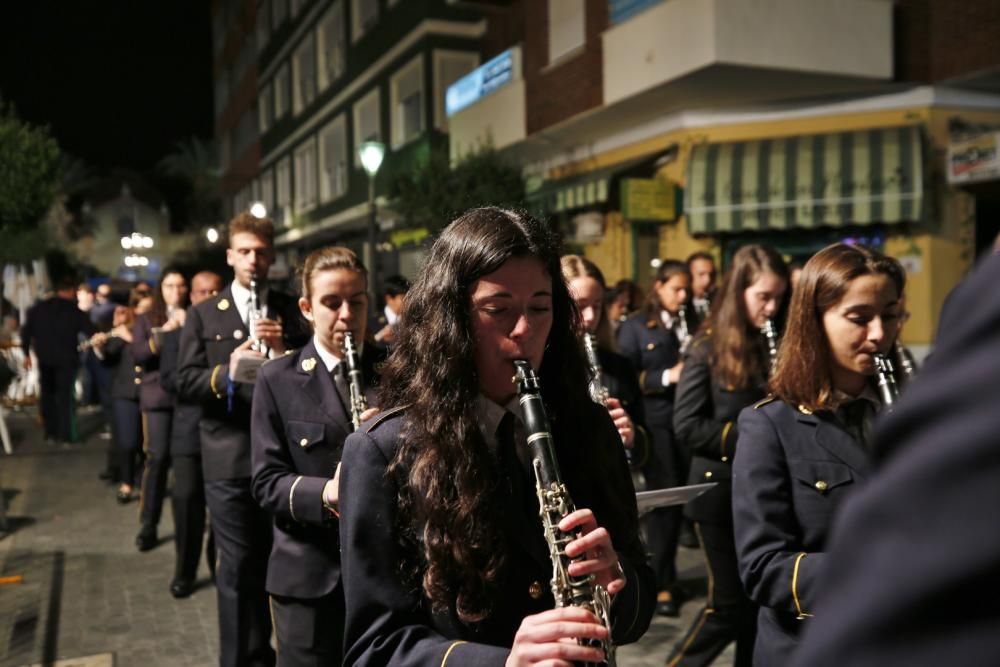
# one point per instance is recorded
(309, 364)
(238, 334)
(223, 304)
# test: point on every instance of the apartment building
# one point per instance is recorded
(653, 128)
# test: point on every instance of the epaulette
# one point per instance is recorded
(651, 324)
(384, 416)
(764, 401)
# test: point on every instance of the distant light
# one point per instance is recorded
(126, 243)
(147, 241)
(257, 210)
(371, 154)
(655, 262)
(212, 234)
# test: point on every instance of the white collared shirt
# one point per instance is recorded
(327, 357)
(241, 299)
(390, 316)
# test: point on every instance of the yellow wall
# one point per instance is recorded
(943, 248)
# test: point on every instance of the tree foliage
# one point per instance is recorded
(194, 164)
(29, 173)
(435, 191)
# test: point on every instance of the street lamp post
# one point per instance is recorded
(371, 154)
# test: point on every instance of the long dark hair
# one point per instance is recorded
(575, 266)
(447, 474)
(157, 314)
(737, 347)
(803, 375)
(667, 270)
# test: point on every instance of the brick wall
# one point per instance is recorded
(938, 40)
(571, 86)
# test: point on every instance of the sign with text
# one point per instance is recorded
(480, 82)
(974, 160)
(653, 199)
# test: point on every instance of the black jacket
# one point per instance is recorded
(52, 329)
(212, 330)
(126, 374)
(152, 395)
(185, 437)
(299, 427)
(389, 623)
(705, 416)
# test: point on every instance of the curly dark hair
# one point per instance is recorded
(447, 474)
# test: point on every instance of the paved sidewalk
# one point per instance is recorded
(87, 591)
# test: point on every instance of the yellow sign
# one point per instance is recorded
(648, 199)
(404, 236)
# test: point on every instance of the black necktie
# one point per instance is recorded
(339, 377)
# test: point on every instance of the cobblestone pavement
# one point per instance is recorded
(86, 591)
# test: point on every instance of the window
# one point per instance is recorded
(304, 72)
(282, 213)
(305, 175)
(297, 7)
(449, 67)
(263, 31)
(264, 108)
(566, 27)
(267, 190)
(407, 95)
(330, 37)
(333, 159)
(364, 16)
(281, 92)
(366, 122)
(279, 12)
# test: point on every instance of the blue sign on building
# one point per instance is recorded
(622, 10)
(479, 83)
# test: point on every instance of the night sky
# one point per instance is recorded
(118, 81)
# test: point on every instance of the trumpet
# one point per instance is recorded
(354, 380)
(554, 503)
(255, 313)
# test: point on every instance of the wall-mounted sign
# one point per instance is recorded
(480, 82)
(974, 160)
(623, 10)
(653, 199)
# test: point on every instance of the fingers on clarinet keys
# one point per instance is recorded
(542, 637)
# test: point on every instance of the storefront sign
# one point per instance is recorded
(975, 160)
(480, 82)
(653, 199)
(403, 236)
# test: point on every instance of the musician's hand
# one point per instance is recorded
(595, 542)
(241, 352)
(176, 320)
(386, 334)
(368, 414)
(331, 490)
(622, 422)
(550, 638)
(99, 340)
(270, 331)
(27, 362)
(675, 373)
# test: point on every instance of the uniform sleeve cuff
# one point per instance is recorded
(305, 500)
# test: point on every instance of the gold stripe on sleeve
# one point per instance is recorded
(211, 381)
(448, 652)
(795, 583)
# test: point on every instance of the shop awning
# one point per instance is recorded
(844, 178)
(592, 189)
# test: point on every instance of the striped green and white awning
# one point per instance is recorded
(844, 178)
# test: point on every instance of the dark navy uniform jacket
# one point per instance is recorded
(913, 571)
(127, 375)
(390, 623)
(212, 330)
(705, 415)
(622, 382)
(152, 395)
(185, 438)
(792, 471)
(298, 431)
(652, 349)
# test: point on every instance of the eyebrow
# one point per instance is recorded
(508, 295)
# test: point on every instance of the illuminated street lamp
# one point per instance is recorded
(212, 234)
(258, 210)
(371, 153)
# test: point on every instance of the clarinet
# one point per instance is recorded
(905, 362)
(253, 315)
(683, 333)
(771, 336)
(598, 392)
(554, 503)
(85, 345)
(354, 379)
(887, 387)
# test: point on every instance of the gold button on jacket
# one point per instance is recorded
(821, 486)
(535, 590)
